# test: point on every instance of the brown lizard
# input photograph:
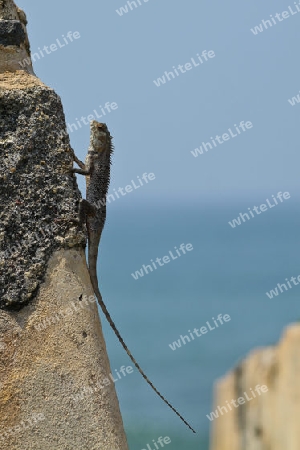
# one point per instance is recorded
(97, 172)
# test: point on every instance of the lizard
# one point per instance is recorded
(96, 169)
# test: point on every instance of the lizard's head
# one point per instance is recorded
(100, 137)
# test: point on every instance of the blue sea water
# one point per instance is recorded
(229, 271)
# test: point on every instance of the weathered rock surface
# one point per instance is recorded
(14, 43)
(269, 421)
(53, 358)
(52, 362)
(38, 195)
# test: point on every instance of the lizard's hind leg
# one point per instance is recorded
(86, 209)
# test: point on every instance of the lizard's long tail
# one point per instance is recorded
(94, 280)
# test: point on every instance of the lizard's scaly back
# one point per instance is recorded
(99, 161)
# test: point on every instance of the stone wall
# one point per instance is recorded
(55, 389)
(269, 420)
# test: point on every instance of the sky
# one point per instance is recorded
(118, 57)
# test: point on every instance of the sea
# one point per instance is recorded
(228, 271)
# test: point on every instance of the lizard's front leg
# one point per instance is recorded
(77, 160)
(84, 170)
(81, 171)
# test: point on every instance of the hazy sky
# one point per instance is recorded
(155, 128)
